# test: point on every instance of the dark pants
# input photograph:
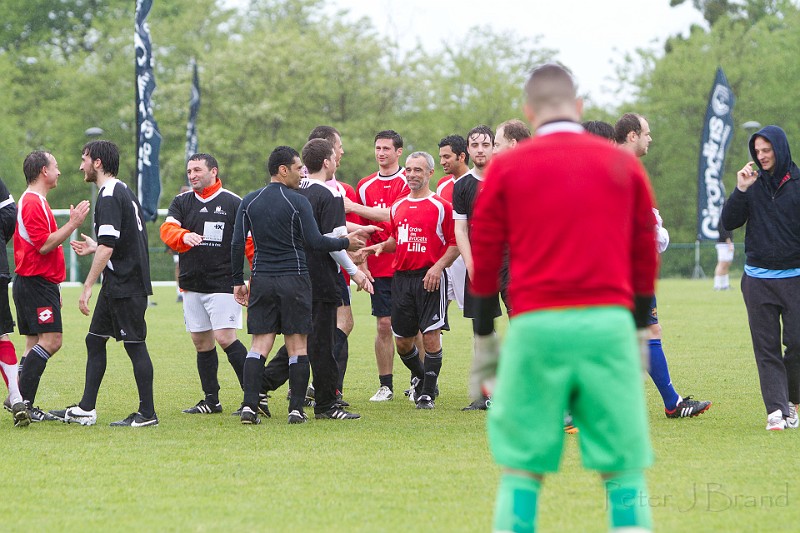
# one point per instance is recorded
(324, 369)
(769, 303)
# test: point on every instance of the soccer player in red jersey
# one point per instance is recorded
(424, 244)
(40, 267)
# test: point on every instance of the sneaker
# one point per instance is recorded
(73, 413)
(687, 408)
(136, 420)
(775, 421)
(297, 417)
(411, 392)
(425, 402)
(263, 407)
(249, 417)
(792, 421)
(384, 394)
(337, 413)
(204, 407)
(37, 415)
(21, 416)
(478, 405)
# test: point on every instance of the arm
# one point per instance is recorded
(238, 247)
(736, 210)
(77, 214)
(434, 275)
(101, 257)
(8, 213)
(464, 247)
(376, 214)
(316, 240)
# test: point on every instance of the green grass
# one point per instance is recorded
(396, 469)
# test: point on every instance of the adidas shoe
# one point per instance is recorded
(21, 416)
(478, 405)
(775, 421)
(238, 412)
(425, 402)
(340, 400)
(792, 421)
(136, 420)
(75, 414)
(337, 413)
(411, 392)
(297, 417)
(204, 407)
(688, 408)
(37, 415)
(249, 417)
(384, 394)
(263, 407)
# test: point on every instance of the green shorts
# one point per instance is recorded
(582, 360)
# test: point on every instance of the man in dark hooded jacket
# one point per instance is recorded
(767, 199)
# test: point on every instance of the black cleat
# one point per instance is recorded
(478, 405)
(204, 407)
(337, 413)
(297, 417)
(425, 402)
(687, 408)
(249, 417)
(263, 407)
(136, 420)
(22, 417)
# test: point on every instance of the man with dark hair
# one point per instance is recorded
(509, 133)
(634, 132)
(199, 227)
(571, 342)
(454, 159)
(599, 128)
(376, 193)
(766, 199)
(424, 244)
(279, 298)
(40, 268)
(121, 255)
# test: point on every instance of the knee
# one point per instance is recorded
(224, 337)
(94, 343)
(384, 326)
(432, 341)
(50, 342)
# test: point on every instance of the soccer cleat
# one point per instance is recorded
(337, 413)
(37, 415)
(478, 405)
(411, 392)
(263, 407)
(136, 420)
(309, 399)
(384, 394)
(249, 417)
(425, 402)
(74, 414)
(792, 420)
(204, 407)
(297, 417)
(775, 421)
(340, 400)
(21, 416)
(687, 408)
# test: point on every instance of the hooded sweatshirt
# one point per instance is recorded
(770, 208)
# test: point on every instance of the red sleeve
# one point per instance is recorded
(172, 235)
(488, 234)
(449, 225)
(36, 222)
(644, 249)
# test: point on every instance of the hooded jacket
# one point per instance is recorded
(770, 207)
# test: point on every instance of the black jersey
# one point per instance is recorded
(118, 225)
(280, 221)
(206, 267)
(8, 221)
(465, 191)
(328, 208)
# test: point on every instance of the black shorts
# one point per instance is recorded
(345, 286)
(38, 304)
(120, 318)
(279, 304)
(382, 299)
(469, 302)
(652, 318)
(6, 319)
(415, 309)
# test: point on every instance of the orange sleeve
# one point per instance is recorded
(172, 235)
(249, 250)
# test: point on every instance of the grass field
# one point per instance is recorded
(396, 469)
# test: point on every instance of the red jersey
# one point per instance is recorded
(424, 230)
(445, 187)
(577, 216)
(347, 191)
(381, 191)
(35, 223)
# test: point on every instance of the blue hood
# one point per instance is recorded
(780, 145)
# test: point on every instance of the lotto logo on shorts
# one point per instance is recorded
(45, 315)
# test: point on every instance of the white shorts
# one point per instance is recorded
(204, 312)
(724, 252)
(456, 277)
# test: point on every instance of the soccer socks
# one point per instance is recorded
(299, 372)
(341, 352)
(386, 381)
(95, 370)
(9, 369)
(413, 363)
(143, 373)
(628, 503)
(237, 353)
(253, 375)
(432, 365)
(722, 282)
(207, 366)
(515, 507)
(659, 373)
(35, 363)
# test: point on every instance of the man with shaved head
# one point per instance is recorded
(574, 307)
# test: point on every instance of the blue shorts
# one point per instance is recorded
(382, 299)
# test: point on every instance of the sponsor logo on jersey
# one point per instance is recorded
(204, 210)
(45, 315)
(122, 333)
(219, 211)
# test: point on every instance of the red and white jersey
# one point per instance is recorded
(381, 191)
(445, 187)
(423, 229)
(35, 223)
(347, 191)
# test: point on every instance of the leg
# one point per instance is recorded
(516, 502)
(95, 370)
(320, 354)
(207, 364)
(299, 373)
(254, 368)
